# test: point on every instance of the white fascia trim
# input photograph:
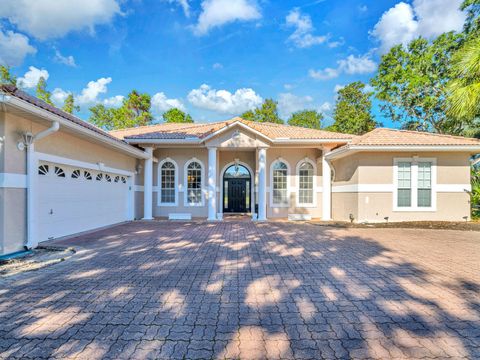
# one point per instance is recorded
(370, 188)
(15, 102)
(236, 123)
(192, 141)
(11, 180)
(335, 154)
(81, 164)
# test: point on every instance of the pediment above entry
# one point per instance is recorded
(238, 137)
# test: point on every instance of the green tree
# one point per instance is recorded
(69, 105)
(306, 118)
(42, 92)
(175, 115)
(465, 84)
(6, 77)
(135, 111)
(472, 24)
(267, 112)
(353, 110)
(411, 84)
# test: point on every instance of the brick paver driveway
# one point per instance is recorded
(244, 290)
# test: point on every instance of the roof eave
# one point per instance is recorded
(15, 102)
(163, 141)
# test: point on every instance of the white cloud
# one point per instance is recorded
(46, 19)
(66, 60)
(114, 101)
(219, 12)
(90, 93)
(161, 103)
(31, 77)
(289, 103)
(184, 4)
(337, 88)
(326, 107)
(325, 74)
(350, 65)
(14, 47)
(223, 101)
(59, 96)
(217, 66)
(357, 65)
(428, 18)
(302, 37)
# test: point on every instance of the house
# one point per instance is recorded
(60, 175)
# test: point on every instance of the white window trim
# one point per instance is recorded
(185, 183)
(159, 195)
(414, 184)
(272, 204)
(313, 204)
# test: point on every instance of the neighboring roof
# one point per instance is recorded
(22, 95)
(393, 139)
(201, 131)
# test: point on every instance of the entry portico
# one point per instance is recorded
(236, 166)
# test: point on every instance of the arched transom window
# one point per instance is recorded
(194, 183)
(280, 183)
(305, 183)
(167, 185)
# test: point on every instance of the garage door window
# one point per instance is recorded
(75, 174)
(108, 178)
(87, 175)
(43, 170)
(99, 177)
(59, 172)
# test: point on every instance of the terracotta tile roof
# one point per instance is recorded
(389, 137)
(200, 131)
(22, 95)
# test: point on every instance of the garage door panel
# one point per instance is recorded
(69, 205)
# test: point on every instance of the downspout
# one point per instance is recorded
(32, 165)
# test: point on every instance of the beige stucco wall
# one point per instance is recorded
(181, 156)
(376, 168)
(13, 161)
(293, 156)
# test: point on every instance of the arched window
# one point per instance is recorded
(168, 176)
(305, 172)
(99, 177)
(279, 181)
(87, 175)
(75, 174)
(194, 183)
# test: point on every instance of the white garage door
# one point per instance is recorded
(72, 200)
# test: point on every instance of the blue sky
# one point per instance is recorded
(213, 58)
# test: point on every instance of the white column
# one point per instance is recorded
(262, 184)
(32, 168)
(212, 184)
(326, 186)
(148, 185)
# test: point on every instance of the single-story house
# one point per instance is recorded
(60, 175)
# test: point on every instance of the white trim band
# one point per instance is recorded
(388, 188)
(11, 180)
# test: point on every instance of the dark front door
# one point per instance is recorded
(238, 199)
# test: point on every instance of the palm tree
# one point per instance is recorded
(464, 88)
